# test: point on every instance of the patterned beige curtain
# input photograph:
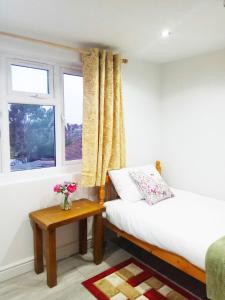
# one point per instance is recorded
(103, 126)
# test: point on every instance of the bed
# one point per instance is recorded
(172, 230)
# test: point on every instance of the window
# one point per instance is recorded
(31, 79)
(73, 112)
(32, 136)
(31, 117)
(40, 117)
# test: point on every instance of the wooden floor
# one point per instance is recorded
(71, 272)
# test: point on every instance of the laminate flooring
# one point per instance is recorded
(72, 272)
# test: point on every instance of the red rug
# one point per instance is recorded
(131, 280)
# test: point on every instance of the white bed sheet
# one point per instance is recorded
(186, 224)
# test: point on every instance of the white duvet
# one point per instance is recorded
(186, 224)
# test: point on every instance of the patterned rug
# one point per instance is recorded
(131, 280)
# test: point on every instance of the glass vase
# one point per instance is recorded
(66, 203)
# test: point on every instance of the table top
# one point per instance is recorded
(54, 216)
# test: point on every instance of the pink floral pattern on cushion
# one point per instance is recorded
(152, 186)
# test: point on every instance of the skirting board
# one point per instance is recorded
(26, 265)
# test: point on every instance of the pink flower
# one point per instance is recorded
(57, 188)
(71, 188)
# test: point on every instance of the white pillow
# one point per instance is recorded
(125, 186)
(153, 188)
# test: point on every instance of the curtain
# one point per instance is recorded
(103, 138)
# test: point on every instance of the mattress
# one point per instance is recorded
(186, 224)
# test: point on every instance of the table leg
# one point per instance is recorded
(83, 236)
(50, 255)
(98, 239)
(38, 248)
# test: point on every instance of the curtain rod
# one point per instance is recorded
(30, 39)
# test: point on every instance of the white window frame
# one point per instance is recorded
(8, 97)
(34, 65)
(74, 72)
(54, 98)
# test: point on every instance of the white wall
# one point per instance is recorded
(192, 119)
(141, 108)
(141, 92)
(17, 200)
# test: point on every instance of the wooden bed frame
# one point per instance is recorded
(108, 193)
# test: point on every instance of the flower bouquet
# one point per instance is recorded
(66, 189)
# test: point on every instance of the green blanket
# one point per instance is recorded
(215, 270)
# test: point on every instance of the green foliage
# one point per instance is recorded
(32, 132)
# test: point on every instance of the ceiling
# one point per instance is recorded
(131, 26)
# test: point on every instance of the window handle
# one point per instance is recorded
(35, 95)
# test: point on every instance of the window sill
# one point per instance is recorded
(40, 174)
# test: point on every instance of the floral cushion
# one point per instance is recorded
(152, 186)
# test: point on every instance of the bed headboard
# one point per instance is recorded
(107, 192)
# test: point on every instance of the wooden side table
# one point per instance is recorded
(48, 219)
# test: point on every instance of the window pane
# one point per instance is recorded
(73, 106)
(32, 136)
(31, 80)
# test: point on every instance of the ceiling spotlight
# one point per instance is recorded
(165, 33)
